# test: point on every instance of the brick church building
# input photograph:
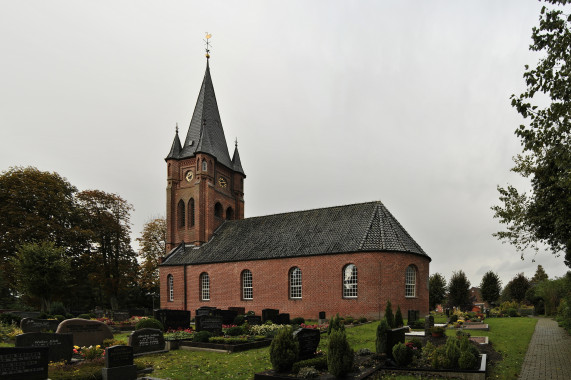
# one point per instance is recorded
(344, 259)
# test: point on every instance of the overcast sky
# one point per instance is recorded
(332, 102)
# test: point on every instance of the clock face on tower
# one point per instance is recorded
(189, 176)
(222, 182)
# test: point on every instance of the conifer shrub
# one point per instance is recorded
(339, 354)
(402, 354)
(348, 320)
(336, 323)
(381, 341)
(284, 350)
(452, 348)
(362, 319)
(149, 323)
(467, 360)
(398, 318)
(389, 315)
(202, 336)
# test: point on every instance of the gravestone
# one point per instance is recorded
(119, 364)
(210, 323)
(413, 315)
(228, 316)
(283, 319)
(321, 320)
(308, 340)
(119, 316)
(447, 312)
(428, 322)
(394, 336)
(24, 363)
(29, 325)
(254, 320)
(270, 315)
(173, 319)
(487, 313)
(85, 332)
(60, 345)
(321, 315)
(239, 310)
(147, 340)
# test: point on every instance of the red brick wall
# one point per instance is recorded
(381, 276)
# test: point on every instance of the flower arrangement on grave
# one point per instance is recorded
(179, 334)
(322, 327)
(89, 353)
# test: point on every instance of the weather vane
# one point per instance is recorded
(207, 41)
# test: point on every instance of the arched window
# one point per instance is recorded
(350, 281)
(181, 214)
(218, 210)
(295, 283)
(204, 287)
(204, 166)
(247, 288)
(191, 212)
(170, 287)
(410, 282)
(229, 213)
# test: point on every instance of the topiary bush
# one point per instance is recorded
(402, 354)
(339, 354)
(389, 315)
(239, 320)
(201, 336)
(348, 320)
(336, 323)
(284, 350)
(298, 321)
(149, 323)
(235, 331)
(398, 318)
(381, 340)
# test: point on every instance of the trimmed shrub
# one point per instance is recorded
(418, 324)
(339, 354)
(467, 360)
(362, 320)
(319, 363)
(8, 319)
(223, 340)
(336, 323)
(348, 320)
(389, 315)
(298, 321)
(201, 336)
(381, 341)
(284, 350)
(402, 354)
(149, 323)
(239, 320)
(57, 308)
(398, 318)
(59, 317)
(439, 358)
(235, 331)
(513, 312)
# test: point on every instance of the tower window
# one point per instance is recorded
(350, 281)
(410, 282)
(295, 283)
(247, 285)
(204, 166)
(229, 213)
(218, 210)
(191, 212)
(204, 287)
(181, 214)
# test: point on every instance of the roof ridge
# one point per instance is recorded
(313, 209)
(370, 228)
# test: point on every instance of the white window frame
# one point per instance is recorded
(350, 281)
(204, 287)
(170, 287)
(247, 285)
(295, 283)
(410, 282)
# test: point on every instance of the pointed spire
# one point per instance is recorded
(237, 164)
(176, 147)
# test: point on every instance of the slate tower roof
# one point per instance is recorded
(205, 133)
(363, 227)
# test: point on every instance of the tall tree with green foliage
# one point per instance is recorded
(41, 271)
(459, 291)
(541, 217)
(517, 287)
(539, 275)
(152, 246)
(436, 290)
(491, 287)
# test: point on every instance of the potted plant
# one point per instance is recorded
(437, 331)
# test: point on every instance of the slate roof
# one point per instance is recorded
(236, 161)
(205, 133)
(343, 229)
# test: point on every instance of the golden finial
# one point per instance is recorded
(207, 41)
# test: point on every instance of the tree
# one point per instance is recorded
(541, 217)
(436, 289)
(459, 291)
(42, 271)
(517, 287)
(112, 261)
(152, 245)
(491, 287)
(539, 275)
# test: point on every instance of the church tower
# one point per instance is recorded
(205, 186)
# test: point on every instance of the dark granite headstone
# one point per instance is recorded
(270, 315)
(321, 315)
(173, 319)
(447, 312)
(428, 322)
(147, 340)
(60, 345)
(119, 364)
(239, 310)
(394, 336)
(254, 320)
(308, 340)
(211, 323)
(283, 319)
(85, 332)
(24, 363)
(119, 316)
(29, 325)
(413, 315)
(228, 316)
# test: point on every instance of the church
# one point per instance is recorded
(344, 259)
